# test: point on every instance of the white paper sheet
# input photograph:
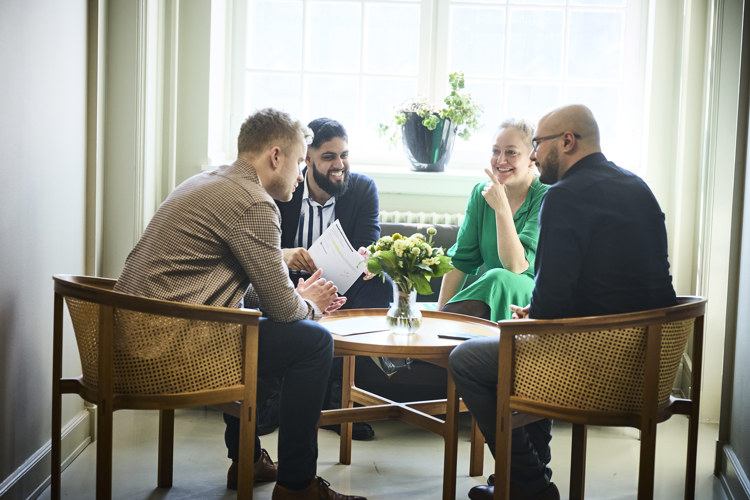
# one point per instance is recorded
(354, 326)
(340, 262)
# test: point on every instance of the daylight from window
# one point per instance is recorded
(355, 60)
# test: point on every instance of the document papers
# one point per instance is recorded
(340, 262)
(353, 326)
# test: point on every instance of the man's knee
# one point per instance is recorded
(473, 356)
(317, 335)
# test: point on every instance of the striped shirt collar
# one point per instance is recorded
(314, 218)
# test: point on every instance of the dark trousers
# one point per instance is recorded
(473, 365)
(369, 294)
(299, 353)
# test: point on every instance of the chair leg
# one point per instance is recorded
(166, 448)
(476, 458)
(578, 462)
(104, 451)
(55, 473)
(245, 477)
(647, 462)
(56, 451)
(692, 450)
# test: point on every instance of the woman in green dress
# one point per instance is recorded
(500, 231)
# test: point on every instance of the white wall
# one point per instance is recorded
(42, 162)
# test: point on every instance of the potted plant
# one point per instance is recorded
(428, 131)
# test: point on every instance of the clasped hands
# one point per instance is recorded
(316, 288)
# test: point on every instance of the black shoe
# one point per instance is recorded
(361, 431)
(488, 492)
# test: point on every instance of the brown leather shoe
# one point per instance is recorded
(265, 470)
(483, 492)
(319, 489)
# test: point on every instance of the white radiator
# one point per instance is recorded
(421, 217)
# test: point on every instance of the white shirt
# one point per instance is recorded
(314, 218)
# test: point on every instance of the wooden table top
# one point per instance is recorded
(423, 344)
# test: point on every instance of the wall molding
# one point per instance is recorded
(33, 476)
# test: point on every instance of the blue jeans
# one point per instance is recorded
(300, 353)
(473, 365)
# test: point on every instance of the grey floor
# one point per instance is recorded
(402, 462)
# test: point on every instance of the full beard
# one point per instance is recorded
(548, 171)
(331, 187)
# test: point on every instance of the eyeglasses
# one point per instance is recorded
(536, 140)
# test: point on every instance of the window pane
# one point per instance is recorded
(538, 2)
(532, 101)
(265, 21)
(397, 51)
(275, 90)
(477, 40)
(489, 95)
(534, 44)
(616, 3)
(381, 97)
(333, 37)
(331, 96)
(595, 45)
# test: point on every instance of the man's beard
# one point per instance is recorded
(548, 171)
(329, 186)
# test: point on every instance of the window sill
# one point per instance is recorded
(400, 180)
(390, 179)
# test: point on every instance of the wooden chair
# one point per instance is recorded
(615, 370)
(140, 353)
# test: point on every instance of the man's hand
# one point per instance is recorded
(520, 312)
(298, 259)
(319, 291)
(366, 255)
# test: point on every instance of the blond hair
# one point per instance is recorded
(267, 126)
(523, 126)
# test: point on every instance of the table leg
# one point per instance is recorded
(476, 458)
(345, 443)
(451, 440)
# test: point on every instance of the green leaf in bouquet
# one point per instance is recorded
(421, 283)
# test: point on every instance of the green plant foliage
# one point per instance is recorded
(457, 106)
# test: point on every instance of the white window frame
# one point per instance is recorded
(227, 88)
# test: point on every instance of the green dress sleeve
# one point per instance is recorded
(466, 254)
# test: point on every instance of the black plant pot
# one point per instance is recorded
(427, 150)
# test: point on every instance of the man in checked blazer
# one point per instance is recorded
(216, 241)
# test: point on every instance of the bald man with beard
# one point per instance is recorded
(602, 250)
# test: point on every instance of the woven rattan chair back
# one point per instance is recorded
(145, 353)
(608, 370)
(599, 370)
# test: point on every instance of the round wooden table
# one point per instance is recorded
(373, 339)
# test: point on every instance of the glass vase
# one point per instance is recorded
(404, 316)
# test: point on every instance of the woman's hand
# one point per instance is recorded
(494, 193)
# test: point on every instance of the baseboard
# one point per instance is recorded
(733, 477)
(33, 476)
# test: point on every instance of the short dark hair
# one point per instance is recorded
(266, 126)
(325, 129)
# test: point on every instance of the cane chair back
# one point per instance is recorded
(615, 370)
(141, 353)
